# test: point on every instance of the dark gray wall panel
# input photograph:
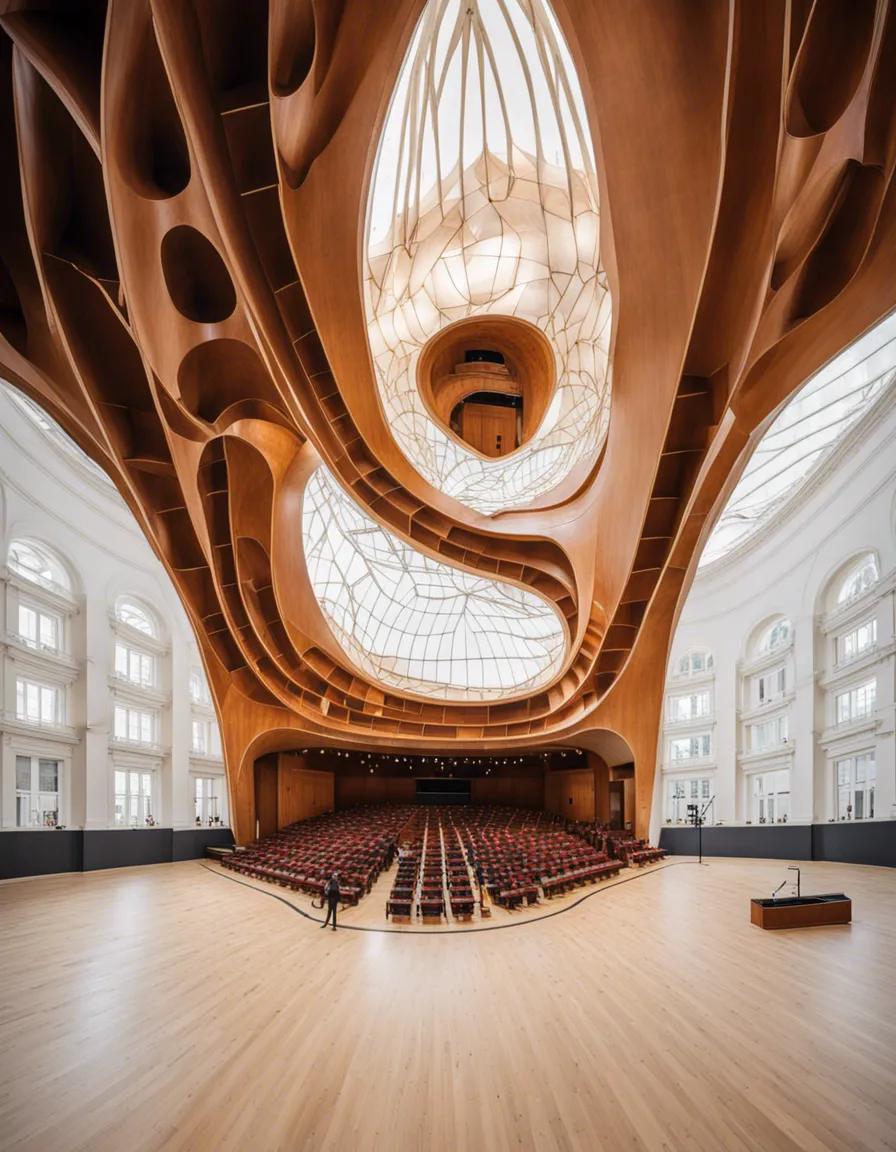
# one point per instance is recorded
(190, 843)
(35, 853)
(859, 842)
(125, 847)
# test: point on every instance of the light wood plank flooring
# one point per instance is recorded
(166, 1008)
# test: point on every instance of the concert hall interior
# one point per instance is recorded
(447, 575)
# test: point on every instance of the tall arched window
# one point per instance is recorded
(37, 563)
(135, 615)
(199, 689)
(694, 663)
(776, 635)
(862, 577)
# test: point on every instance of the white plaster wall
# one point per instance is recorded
(49, 495)
(787, 569)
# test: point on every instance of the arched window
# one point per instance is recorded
(135, 615)
(199, 690)
(36, 563)
(862, 577)
(694, 663)
(777, 635)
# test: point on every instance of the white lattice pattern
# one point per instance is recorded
(416, 624)
(484, 202)
(805, 432)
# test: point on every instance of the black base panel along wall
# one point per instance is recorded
(40, 853)
(857, 842)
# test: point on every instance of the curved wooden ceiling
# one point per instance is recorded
(181, 288)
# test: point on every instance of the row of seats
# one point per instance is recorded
(518, 856)
(358, 843)
(521, 854)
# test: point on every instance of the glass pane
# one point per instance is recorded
(23, 811)
(120, 782)
(23, 773)
(49, 811)
(49, 775)
(147, 784)
(48, 705)
(27, 623)
(49, 631)
(859, 805)
(870, 803)
(133, 809)
(121, 723)
(119, 807)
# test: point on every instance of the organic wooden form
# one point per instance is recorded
(181, 287)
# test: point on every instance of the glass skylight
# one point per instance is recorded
(416, 624)
(805, 432)
(484, 202)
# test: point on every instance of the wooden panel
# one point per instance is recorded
(489, 428)
(266, 797)
(601, 787)
(514, 791)
(373, 789)
(570, 793)
(302, 791)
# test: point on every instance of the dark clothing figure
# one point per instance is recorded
(331, 894)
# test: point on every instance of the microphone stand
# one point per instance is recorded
(699, 820)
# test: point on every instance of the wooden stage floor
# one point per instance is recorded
(169, 1008)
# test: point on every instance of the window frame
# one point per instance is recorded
(846, 783)
(766, 802)
(209, 795)
(134, 652)
(139, 802)
(40, 612)
(700, 740)
(26, 681)
(35, 765)
(140, 712)
(840, 657)
(854, 715)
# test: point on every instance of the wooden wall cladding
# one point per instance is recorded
(373, 789)
(302, 791)
(571, 793)
(514, 791)
(180, 288)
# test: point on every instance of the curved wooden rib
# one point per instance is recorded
(180, 286)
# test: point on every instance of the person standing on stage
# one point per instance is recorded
(331, 895)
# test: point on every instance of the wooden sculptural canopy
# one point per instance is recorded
(193, 282)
